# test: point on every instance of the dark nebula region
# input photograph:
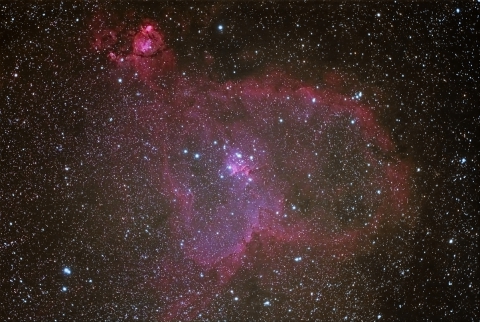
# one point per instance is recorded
(256, 173)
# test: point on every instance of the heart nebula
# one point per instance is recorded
(266, 159)
(265, 170)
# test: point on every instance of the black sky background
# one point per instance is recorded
(62, 185)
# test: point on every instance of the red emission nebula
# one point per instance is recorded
(258, 174)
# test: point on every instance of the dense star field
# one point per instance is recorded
(207, 161)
